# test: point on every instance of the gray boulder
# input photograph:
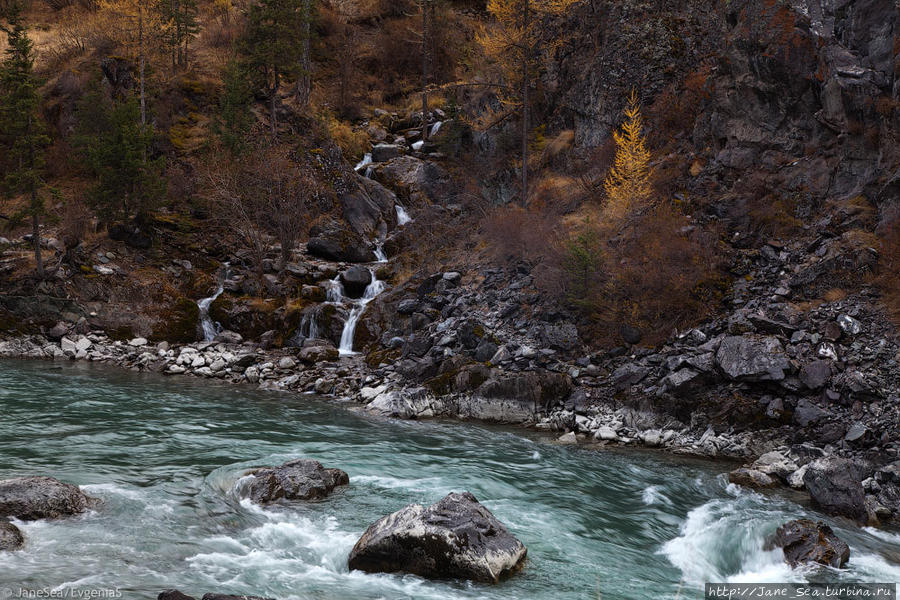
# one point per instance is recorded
(385, 152)
(752, 358)
(816, 374)
(455, 538)
(301, 479)
(835, 486)
(30, 498)
(10, 537)
(804, 541)
(751, 478)
(356, 279)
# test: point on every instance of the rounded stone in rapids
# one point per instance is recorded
(455, 538)
(31, 498)
(301, 479)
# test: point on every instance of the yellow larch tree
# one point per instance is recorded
(628, 183)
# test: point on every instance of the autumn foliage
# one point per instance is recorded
(628, 184)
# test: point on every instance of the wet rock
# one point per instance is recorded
(750, 358)
(775, 464)
(173, 595)
(229, 597)
(804, 541)
(751, 478)
(301, 479)
(385, 152)
(454, 538)
(316, 354)
(30, 498)
(408, 403)
(356, 279)
(835, 486)
(10, 537)
(342, 246)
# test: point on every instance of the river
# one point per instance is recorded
(164, 454)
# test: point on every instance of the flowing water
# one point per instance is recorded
(164, 454)
(359, 307)
(208, 327)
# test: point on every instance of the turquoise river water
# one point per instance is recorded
(164, 455)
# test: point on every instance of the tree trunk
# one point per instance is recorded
(525, 83)
(141, 51)
(425, 61)
(304, 83)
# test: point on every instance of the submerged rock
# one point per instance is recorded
(10, 537)
(30, 498)
(177, 595)
(454, 538)
(804, 541)
(301, 479)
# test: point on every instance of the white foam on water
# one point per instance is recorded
(394, 483)
(112, 488)
(887, 536)
(873, 567)
(652, 495)
(402, 216)
(724, 540)
(536, 455)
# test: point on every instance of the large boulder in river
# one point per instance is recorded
(835, 486)
(805, 541)
(301, 479)
(10, 537)
(752, 358)
(355, 280)
(455, 538)
(30, 498)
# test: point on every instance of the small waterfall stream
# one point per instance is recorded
(209, 328)
(372, 290)
(402, 216)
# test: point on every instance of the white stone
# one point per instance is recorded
(176, 369)
(217, 365)
(795, 479)
(606, 434)
(83, 344)
(369, 393)
(68, 346)
(567, 438)
(287, 363)
(138, 342)
(252, 374)
(198, 361)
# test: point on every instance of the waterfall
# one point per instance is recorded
(365, 162)
(372, 290)
(435, 128)
(335, 291)
(418, 145)
(379, 253)
(402, 216)
(210, 329)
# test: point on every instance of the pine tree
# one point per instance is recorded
(628, 183)
(115, 146)
(180, 18)
(234, 117)
(22, 134)
(516, 44)
(272, 48)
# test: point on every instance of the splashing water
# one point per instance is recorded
(209, 328)
(402, 216)
(372, 290)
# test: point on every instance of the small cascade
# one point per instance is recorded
(373, 289)
(379, 253)
(418, 145)
(435, 128)
(335, 291)
(365, 162)
(402, 216)
(209, 328)
(308, 330)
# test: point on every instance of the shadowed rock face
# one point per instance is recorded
(10, 537)
(805, 541)
(455, 538)
(834, 486)
(300, 479)
(30, 498)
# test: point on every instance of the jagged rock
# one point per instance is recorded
(804, 541)
(682, 381)
(513, 397)
(385, 152)
(835, 486)
(749, 358)
(750, 478)
(408, 403)
(229, 337)
(485, 351)
(807, 413)
(415, 181)
(300, 479)
(795, 479)
(816, 374)
(10, 537)
(559, 336)
(30, 498)
(454, 538)
(775, 464)
(606, 434)
(627, 375)
(355, 280)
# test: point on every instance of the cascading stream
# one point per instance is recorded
(208, 326)
(402, 216)
(372, 290)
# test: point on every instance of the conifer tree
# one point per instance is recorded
(22, 134)
(516, 44)
(180, 18)
(234, 117)
(272, 48)
(628, 183)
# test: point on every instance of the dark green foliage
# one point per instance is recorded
(273, 46)
(181, 18)
(116, 149)
(234, 117)
(22, 134)
(583, 264)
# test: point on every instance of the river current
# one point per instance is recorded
(164, 454)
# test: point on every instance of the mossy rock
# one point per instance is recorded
(378, 357)
(178, 324)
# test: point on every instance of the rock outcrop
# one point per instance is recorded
(30, 498)
(300, 479)
(835, 486)
(805, 541)
(455, 538)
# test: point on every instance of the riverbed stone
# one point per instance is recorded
(10, 537)
(805, 541)
(835, 486)
(31, 498)
(301, 479)
(454, 538)
(750, 478)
